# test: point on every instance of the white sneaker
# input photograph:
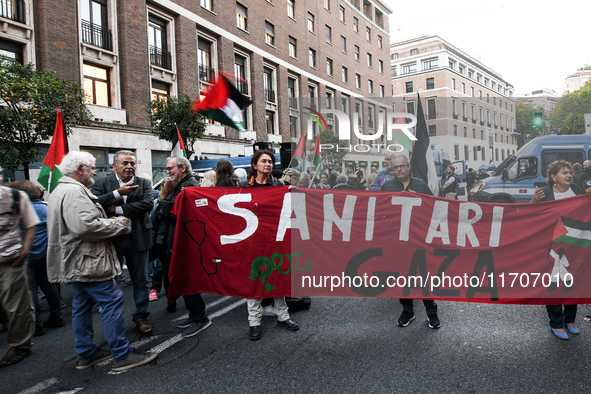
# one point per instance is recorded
(268, 310)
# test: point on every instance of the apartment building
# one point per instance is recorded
(126, 53)
(576, 81)
(469, 107)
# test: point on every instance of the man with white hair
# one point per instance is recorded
(80, 252)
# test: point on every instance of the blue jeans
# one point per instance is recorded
(109, 297)
(137, 264)
(38, 274)
(558, 319)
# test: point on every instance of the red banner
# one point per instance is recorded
(268, 242)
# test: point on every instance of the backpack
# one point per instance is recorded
(296, 304)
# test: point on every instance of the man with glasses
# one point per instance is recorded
(585, 174)
(179, 170)
(404, 181)
(385, 175)
(124, 194)
(80, 252)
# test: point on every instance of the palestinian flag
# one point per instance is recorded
(573, 232)
(50, 174)
(224, 103)
(317, 155)
(178, 148)
(398, 135)
(299, 152)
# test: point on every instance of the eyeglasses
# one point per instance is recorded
(169, 168)
(396, 168)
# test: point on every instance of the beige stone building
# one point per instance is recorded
(470, 108)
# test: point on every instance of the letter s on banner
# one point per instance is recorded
(226, 205)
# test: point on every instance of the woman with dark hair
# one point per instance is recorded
(224, 174)
(261, 165)
(560, 185)
(323, 184)
(159, 233)
(38, 263)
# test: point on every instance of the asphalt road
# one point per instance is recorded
(344, 345)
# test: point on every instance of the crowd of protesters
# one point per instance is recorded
(87, 230)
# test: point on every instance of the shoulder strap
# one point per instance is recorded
(15, 201)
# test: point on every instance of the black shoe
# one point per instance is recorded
(171, 307)
(255, 333)
(433, 321)
(405, 318)
(289, 324)
(54, 323)
(39, 331)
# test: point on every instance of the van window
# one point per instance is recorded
(572, 156)
(525, 167)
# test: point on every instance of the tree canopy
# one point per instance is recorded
(331, 158)
(571, 108)
(524, 117)
(29, 99)
(176, 111)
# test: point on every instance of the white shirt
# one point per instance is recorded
(118, 209)
(566, 194)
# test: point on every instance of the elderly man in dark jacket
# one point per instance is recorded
(404, 181)
(124, 194)
(179, 169)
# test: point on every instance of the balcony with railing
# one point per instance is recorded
(242, 85)
(293, 102)
(206, 74)
(368, 16)
(356, 5)
(13, 9)
(270, 95)
(160, 58)
(97, 35)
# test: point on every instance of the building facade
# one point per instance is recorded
(469, 108)
(576, 81)
(126, 53)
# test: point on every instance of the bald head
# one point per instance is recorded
(587, 164)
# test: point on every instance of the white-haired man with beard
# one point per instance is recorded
(80, 252)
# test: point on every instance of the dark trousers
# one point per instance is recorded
(161, 276)
(38, 274)
(558, 318)
(137, 264)
(430, 305)
(196, 307)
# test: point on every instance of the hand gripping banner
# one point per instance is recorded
(269, 242)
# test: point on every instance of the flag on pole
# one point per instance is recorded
(399, 137)
(50, 174)
(178, 148)
(317, 154)
(224, 103)
(299, 152)
(421, 160)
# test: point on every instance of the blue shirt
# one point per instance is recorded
(39, 249)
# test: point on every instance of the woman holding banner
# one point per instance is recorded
(560, 185)
(261, 165)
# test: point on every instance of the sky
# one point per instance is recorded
(533, 45)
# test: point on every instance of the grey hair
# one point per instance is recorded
(397, 155)
(342, 178)
(305, 177)
(182, 161)
(240, 173)
(73, 159)
(122, 152)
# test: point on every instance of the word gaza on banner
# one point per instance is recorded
(382, 244)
